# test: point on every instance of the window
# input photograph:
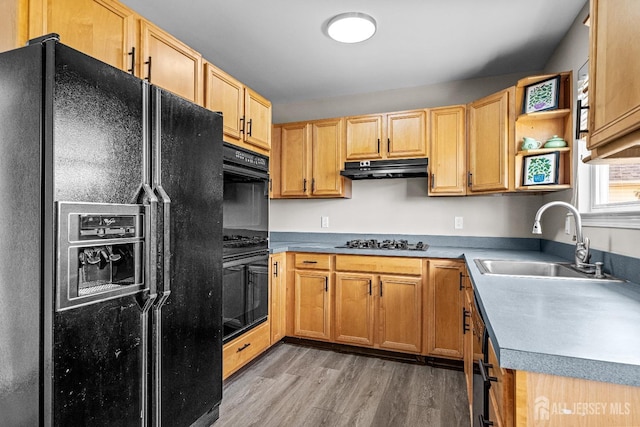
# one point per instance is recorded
(616, 187)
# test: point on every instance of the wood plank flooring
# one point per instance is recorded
(294, 385)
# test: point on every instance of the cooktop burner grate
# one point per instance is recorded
(401, 244)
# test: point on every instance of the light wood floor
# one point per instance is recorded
(293, 386)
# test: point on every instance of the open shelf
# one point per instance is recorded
(545, 115)
(548, 187)
(542, 125)
(542, 151)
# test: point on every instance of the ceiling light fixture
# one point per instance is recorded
(351, 27)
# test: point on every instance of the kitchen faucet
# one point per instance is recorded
(582, 243)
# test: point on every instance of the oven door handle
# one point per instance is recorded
(237, 170)
(243, 260)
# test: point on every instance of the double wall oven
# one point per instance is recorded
(245, 292)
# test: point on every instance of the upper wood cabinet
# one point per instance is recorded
(387, 136)
(246, 114)
(257, 117)
(310, 158)
(294, 160)
(614, 89)
(490, 151)
(169, 63)
(112, 33)
(446, 314)
(104, 29)
(448, 151)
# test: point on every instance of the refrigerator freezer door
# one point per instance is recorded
(187, 328)
(20, 246)
(99, 351)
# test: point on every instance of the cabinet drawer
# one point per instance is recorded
(242, 350)
(379, 264)
(313, 261)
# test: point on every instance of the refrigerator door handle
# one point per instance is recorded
(166, 238)
(147, 197)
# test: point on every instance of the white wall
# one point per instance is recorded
(401, 206)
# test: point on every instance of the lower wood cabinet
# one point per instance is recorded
(242, 350)
(378, 310)
(312, 296)
(400, 313)
(312, 304)
(354, 309)
(277, 296)
(445, 312)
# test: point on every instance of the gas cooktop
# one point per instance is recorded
(402, 245)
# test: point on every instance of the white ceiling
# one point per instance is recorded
(279, 47)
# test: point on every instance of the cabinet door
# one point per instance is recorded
(364, 134)
(275, 163)
(400, 313)
(490, 156)
(312, 310)
(445, 295)
(169, 63)
(104, 29)
(468, 353)
(257, 112)
(278, 295)
(447, 156)
(614, 89)
(294, 160)
(326, 158)
(354, 309)
(407, 134)
(226, 94)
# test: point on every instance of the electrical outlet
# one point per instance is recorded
(324, 222)
(458, 223)
(567, 225)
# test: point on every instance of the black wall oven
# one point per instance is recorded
(245, 292)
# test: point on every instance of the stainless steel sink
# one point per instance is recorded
(540, 269)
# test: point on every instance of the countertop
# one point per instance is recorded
(567, 327)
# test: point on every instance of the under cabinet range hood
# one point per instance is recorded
(377, 169)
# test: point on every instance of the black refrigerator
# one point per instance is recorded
(110, 246)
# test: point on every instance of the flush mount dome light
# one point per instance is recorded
(351, 27)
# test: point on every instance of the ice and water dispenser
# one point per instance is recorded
(100, 252)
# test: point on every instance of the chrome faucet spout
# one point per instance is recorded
(582, 244)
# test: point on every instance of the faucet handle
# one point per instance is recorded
(582, 252)
(587, 255)
(598, 273)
